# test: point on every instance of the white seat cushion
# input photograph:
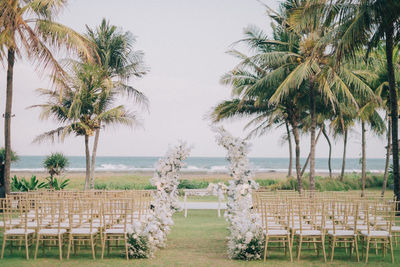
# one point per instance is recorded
(83, 231)
(396, 228)
(341, 233)
(19, 231)
(308, 232)
(375, 233)
(115, 231)
(277, 232)
(52, 231)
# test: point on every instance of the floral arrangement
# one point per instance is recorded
(246, 240)
(151, 233)
(218, 190)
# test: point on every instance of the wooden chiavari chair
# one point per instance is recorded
(276, 220)
(311, 215)
(16, 229)
(378, 215)
(338, 233)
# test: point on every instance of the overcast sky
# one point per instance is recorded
(184, 43)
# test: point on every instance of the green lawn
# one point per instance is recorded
(199, 240)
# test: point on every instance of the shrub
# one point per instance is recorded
(23, 185)
(55, 165)
(192, 184)
(265, 182)
(350, 182)
(58, 184)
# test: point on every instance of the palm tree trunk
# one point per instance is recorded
(87, 177)
(313, 127)
(385, 175)
(394, 110)
(363, 160)
(92, 170)
(297, 149)
(7, 119)
(344, 156)
(330, 151)
(308, 157)
(290, 149)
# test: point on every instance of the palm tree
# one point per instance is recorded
(255, 79)
(55, 165)
(377, 63)
(119, 62)
(367, 22)
(28, 28)
(84, 104)
(341, 124)
(314, 68)
(14, 158)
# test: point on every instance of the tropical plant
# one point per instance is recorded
(55, 165)
(315, 68)
(58, 183)
(119, 61)
(14, 158)
(83, 104)
(28, 28)
(21, 184)
(366, 23)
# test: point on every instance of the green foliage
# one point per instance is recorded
(55, 163)
(266, 182)
(192, 184)
(58, 184)
(350, 182)
(24, 186)
(119, 186)
(14, 156)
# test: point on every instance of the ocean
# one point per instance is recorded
(194, 164)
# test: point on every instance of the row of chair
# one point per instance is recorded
(74, 219)
(324, 219)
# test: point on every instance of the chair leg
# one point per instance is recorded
(266, 248)
(60, 246)
(290, 248)
(103, 244)
(391, 248)
(3, 246)
(92, 245)
(69, 246)
(333, 247)
(26, 247)
(299, 248)
(37, 245)
(126, 246)
(367, 250)
(356, 248)
(323, 247)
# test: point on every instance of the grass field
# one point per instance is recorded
(198, 240)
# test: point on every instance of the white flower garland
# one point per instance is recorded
(150, 234)
(219, 190)
(246, 238)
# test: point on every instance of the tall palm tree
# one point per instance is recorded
(256, 77)
(83, 105)
(367, 22)
(314, 68)
(377, 62)
(341, 123)
(119, 62)
(27, 27)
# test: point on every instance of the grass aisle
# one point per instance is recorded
(198, 240)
